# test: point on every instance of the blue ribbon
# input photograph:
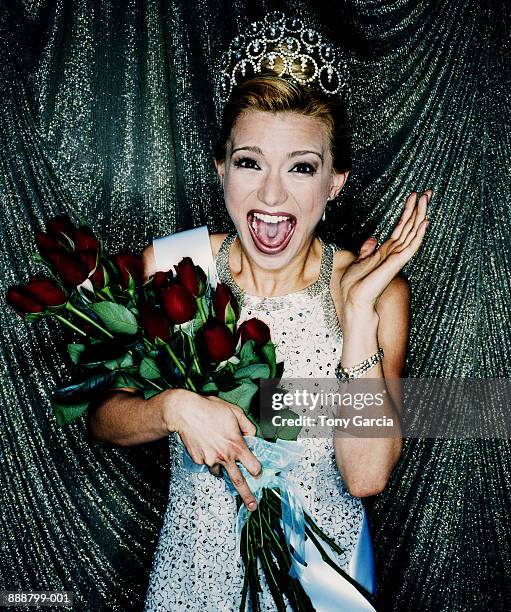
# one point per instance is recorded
(328, 590)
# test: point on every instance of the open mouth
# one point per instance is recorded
(271, 233)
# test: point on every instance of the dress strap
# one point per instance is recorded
(194, 243)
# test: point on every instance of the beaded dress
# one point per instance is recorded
(195, 565)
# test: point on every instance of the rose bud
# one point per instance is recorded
(46, 244)
(191, 276)
(45, 291)
(127, 264)
(218, 340)
(22, 303)
(225, 305)
(84, 240)
(161, 279)
(178, 303)
(90, 259)
(72, 270)
(254, 329)
(61, 224)
(154, 322)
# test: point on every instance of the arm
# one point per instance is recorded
(375, 312)
(366, 463)
(211, 429)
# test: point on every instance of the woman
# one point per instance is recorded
(281, 156)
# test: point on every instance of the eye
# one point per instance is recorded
(304, 168)
(246, 162)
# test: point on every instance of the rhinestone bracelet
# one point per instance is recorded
(347, 374)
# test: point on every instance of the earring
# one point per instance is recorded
(324, 210)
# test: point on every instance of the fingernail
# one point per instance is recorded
(252, 506)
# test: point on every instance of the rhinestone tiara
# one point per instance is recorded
(299, 47)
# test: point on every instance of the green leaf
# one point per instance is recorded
(279, 370)
(209, 387)
(108, 350)
(149, 393)
(149, 369)
(256, 370)
(288, 432)
(247, 354)
(116, 317)
(230, 316)
(125, 361)
(125, 380)
(84, 390)
(75, 350)
(241, 395)
(65, 413)
(268, 429)
(37, 258)
(268, 350)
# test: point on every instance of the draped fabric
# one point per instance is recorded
(107, 115)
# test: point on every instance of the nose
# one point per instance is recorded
(272, 191)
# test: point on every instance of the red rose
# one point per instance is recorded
(71, 269)
(84, 240)
(127, 264)
(154, 322)
(89, 258)
(162, 279)
(225, 305)
(61, 224)
(178, 303)
(21, 302)
(218, 340)
(45, 292)
(46, 244)
(191, 276)
(254, 329)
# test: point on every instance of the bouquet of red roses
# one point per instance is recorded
(173, 330)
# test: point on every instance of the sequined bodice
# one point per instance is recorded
(196, 566)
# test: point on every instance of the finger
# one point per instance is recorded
(249, 460)
(409, 249)
(246, 426)
(420, 215)
(410, 229)
(240, 484)
(407, 213)
(367, 247)
(405, 232)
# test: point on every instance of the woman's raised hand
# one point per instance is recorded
(212, 431)
(367, 276)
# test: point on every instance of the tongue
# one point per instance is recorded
(272, 234)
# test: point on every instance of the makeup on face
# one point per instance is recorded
(277, 179)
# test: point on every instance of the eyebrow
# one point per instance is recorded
(289, 155)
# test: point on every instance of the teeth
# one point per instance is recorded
(269, 218)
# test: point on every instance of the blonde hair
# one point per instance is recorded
(269, 92)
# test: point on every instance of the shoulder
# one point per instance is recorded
(149, 260)
(395, 298)
(342, 259)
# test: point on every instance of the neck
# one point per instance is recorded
(301, 272)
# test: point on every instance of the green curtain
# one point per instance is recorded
(107, 114)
